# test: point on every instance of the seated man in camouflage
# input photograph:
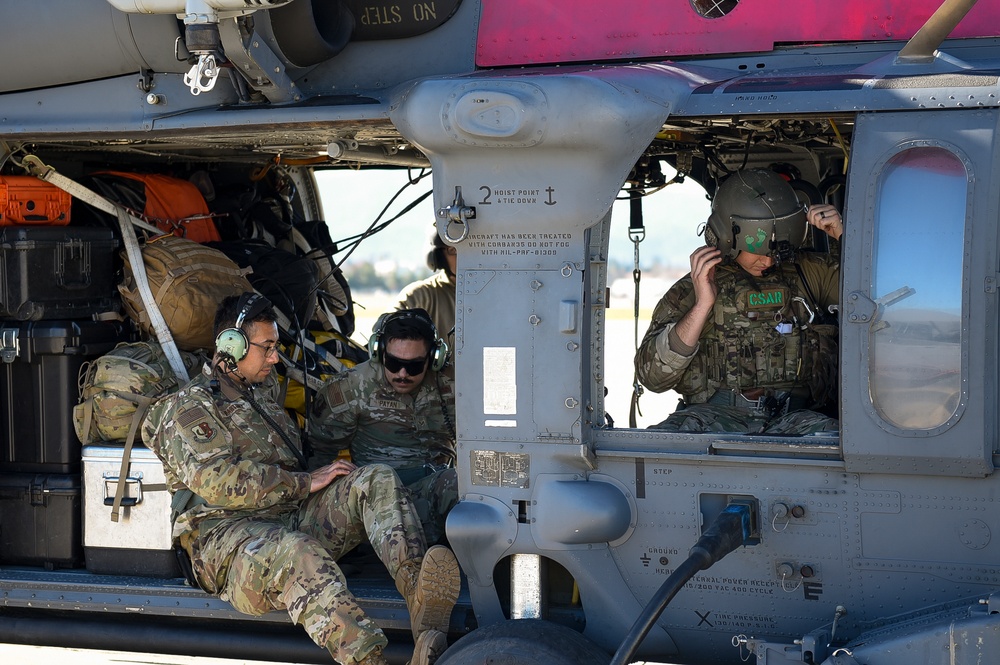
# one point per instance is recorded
(396, 409)
(264, 534)
(744, 337)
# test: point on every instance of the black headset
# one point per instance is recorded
(436, 257)
(439, 348)
(232, 343)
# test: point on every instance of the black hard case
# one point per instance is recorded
(41, 520)
(38, 389)
(57, 272)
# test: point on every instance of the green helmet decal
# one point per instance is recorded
(754, 247)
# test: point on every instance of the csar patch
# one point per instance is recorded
(767, 299)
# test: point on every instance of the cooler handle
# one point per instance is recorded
(111, 484)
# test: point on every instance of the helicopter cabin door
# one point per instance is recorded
(919, 296)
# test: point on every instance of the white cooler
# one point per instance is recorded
(139, 542)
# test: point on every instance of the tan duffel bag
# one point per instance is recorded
(188, 281)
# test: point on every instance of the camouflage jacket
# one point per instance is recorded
(218, 447)
(358, 409)
(436, 294)
(741, 346)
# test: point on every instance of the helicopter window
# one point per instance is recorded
(916, 338)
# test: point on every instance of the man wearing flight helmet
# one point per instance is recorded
(744, 337)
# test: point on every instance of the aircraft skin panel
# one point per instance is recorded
(522, 32)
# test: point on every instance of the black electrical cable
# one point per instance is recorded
(248, 394)
(729, 530)
(353, 242)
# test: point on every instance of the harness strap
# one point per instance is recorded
(636, 233)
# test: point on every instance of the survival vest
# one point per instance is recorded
(761, 336)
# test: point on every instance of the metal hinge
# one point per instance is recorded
(9, 347)
(860, 308)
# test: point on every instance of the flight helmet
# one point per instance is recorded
(756, 211)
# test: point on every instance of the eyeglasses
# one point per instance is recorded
(413, 366)
(268, 348)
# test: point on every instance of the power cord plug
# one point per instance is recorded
(732, 528)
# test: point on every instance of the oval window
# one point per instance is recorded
(915, 361)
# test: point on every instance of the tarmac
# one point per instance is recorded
(17, 653)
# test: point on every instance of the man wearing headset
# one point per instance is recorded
(398, 409)
(265, 534)
(746, 337)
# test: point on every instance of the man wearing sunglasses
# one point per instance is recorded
(397, 409)
(263, 533)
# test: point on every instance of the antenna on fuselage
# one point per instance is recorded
(924, 43)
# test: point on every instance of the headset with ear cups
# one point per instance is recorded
(436, 257)
(439, 348)
(232, 344)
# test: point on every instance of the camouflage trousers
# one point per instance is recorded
(433, 497)
(291, 563)
(721, 418)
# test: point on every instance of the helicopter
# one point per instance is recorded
(869, 545)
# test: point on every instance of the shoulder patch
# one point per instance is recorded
(203, 432)
(192, 415)
(335, 394)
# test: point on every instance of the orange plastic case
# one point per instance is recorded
(28, 201)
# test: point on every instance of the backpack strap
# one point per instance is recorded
(87, 408)
(142, 405)
(85, 377)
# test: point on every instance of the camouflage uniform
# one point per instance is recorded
(359, 409)
(255, 534)
(741, 351)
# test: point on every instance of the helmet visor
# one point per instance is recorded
(772, 235)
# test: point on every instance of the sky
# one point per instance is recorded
(352, 200)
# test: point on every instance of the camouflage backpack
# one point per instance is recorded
(119, 385)
(117, 389)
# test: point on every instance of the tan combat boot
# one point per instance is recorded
(429, 647)
(374, 657)
(430, 587)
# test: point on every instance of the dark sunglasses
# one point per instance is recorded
(412, 367)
